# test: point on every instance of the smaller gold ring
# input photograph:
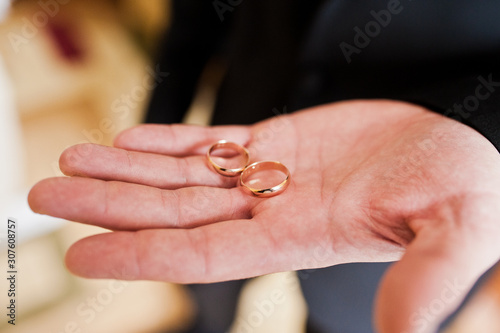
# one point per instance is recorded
(223, 144)
(263, 166)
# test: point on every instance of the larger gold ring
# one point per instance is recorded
(263, 166)
(223, 144)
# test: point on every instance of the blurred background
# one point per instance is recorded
(74, 71)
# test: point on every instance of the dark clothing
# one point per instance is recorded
(308, 52)
(443, 55)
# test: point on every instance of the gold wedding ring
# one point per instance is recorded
(225, 171)
(252, 169)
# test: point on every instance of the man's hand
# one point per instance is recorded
(371, 181)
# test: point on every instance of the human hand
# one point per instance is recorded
(371, 181)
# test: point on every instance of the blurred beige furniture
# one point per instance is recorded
(57, 102)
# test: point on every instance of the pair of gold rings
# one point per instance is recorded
(248, 172)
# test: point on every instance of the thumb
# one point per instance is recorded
(447, 256)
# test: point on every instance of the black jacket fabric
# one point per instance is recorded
(444, 55)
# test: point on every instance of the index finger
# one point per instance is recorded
(178, 139)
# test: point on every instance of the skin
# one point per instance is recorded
(372, 181)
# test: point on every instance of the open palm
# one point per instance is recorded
(371, 181)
